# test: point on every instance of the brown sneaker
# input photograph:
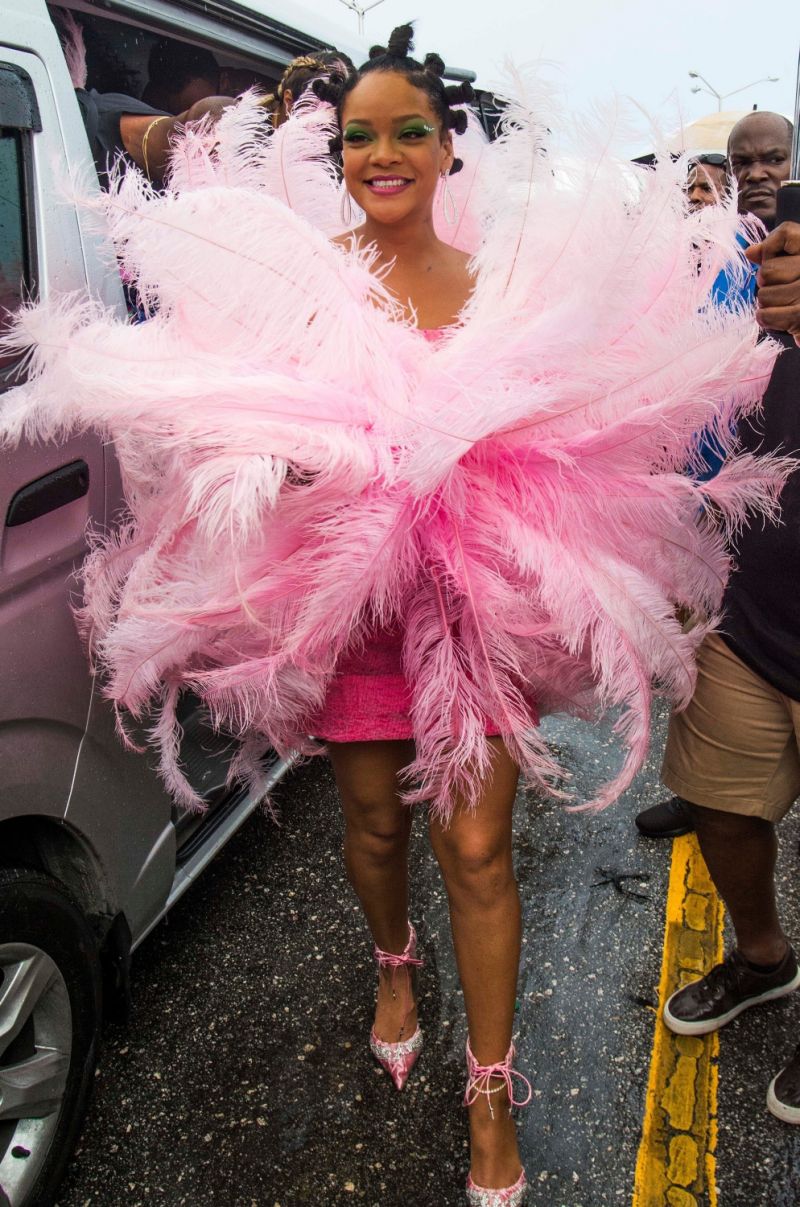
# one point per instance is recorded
(783, 1095)
(727, 990)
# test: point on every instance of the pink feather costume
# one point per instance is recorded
(303, 471)
(369, 698)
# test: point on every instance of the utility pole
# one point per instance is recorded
(789, 192)
(360, 10)
(722, 96)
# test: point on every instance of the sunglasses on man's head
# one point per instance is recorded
(713, 159)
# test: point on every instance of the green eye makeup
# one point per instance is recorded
(354, 133)
(418, 128)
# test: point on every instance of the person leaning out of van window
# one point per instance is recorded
(119, 124)
(147, 141)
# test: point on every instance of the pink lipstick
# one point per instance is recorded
(387, 186)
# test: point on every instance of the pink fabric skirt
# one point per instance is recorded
(369, 699)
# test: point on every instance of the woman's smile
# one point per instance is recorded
(388, 186)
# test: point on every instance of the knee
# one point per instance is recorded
(476, 868)
(379, 847)
(370, 836)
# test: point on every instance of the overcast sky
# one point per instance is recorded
(642, 48)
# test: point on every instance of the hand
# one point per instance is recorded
(778, 257)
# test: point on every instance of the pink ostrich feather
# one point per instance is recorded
(74, 48)
(301, 468)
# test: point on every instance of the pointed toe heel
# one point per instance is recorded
(398, 1059)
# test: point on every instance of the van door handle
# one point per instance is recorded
(48, 493)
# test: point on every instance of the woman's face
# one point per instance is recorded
(394, 151)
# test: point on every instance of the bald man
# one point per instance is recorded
(759, 150)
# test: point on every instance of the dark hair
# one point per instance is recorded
(301, 72)
(172, 65)
(305, 70)
(427, 76)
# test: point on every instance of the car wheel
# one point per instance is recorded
(50, 1011)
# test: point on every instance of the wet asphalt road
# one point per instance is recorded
(244, 1076)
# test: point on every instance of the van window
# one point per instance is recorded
(162, 71)
(16, 281)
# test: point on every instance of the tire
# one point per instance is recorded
(50, 1016)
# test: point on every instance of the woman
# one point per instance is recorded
(435, 497)
(397, 125)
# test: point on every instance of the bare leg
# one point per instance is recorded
(740, 854)
(474, 853)
(377, 829)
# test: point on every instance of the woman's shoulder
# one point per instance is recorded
(458, 264)
(352, 240)
(348, 240)
(457, 255)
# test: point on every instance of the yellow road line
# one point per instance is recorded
(675, 1166)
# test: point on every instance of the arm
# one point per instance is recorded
(134, 129)
(778, 257)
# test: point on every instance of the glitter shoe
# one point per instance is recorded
(398, 1059)
(479, 1079)
(512, 1196)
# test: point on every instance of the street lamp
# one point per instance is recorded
(360, 10)
(722, 96)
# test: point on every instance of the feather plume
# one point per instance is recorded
(302, 469)
(74, 48)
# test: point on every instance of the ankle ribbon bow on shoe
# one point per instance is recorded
(407, 959)
(480, 1076)
(388, 959)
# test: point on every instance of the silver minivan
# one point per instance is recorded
(92, 852)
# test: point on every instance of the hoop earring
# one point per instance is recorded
(346, 207)
(449, 207)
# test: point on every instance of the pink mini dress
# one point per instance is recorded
(369, 698)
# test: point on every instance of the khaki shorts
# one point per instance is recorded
(737, 746)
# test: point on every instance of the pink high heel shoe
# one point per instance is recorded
(479, 1079)
(398, 1059)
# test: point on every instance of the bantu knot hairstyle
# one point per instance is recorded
(401, 41)
(305, 71)
(426, 76)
